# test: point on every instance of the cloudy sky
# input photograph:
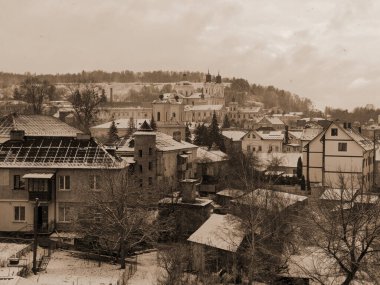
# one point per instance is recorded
(327, 50)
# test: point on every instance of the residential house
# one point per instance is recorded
(271, 122)
(233, 140)
(339, 152)
(262, 141)
(45, 158)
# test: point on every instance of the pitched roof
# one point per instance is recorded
(270, 199)
(364, 142)
(229, 192)
(310, 133)
(273, 120)
(210, 155)
(234, 135)
(220, 231)
(54, 152)
(271, 135)
(165, 142)
(36, 125)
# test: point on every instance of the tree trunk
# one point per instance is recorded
(349, 278)
(122, 254)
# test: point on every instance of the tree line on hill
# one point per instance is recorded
(359, 114)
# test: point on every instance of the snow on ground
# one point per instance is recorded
(147, 270)
(66, 269)
(7, 250)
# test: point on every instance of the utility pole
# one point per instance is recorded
(35, 241)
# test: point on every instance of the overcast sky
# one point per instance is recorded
(327, 50)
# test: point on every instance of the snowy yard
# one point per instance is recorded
(7, 250)
(64, 268)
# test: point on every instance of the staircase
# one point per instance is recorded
(43, 263)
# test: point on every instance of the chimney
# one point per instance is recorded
(188, 190)
(111, 95)
(177, 136)
(17, 135)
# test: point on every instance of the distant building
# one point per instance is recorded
(204, 113)
(106, 114)
(262, 141)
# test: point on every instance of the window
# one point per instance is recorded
(150, 151)
(18, 183)
(141, 168)
(276, 148)
(64, 182)
(150, 166)
(260, 149)
(141, 183)
(158, 116)
(173, 115)
(64, 213)
(38, 185)
(334, 132)
(150, 180)
(19, 213)
(342, 146)
(94, 182)
(140, 152)
(248, 148)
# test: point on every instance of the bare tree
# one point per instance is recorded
(86, 101)
(345, 225)
(120, 213)
(35, 92)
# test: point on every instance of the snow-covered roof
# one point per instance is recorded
(165, 142)
(198, 95)
(204, 155)
(121, 124)
(296, 134)
(270, 199)
(336, 194)
(271, 135)
(273, 120)
(203, 107)
(249, 109)
(229, 192)
(310, 133)
(364, 142)
(287, 159)
(220, 231)
(234, 135)
(36, 125)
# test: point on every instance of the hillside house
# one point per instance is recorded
(262, 141)
(339, 152)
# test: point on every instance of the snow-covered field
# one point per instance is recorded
(7, 250)
(64, 268)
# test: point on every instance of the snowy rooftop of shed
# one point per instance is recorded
(234, 135)
(220, 231)
(204, 155)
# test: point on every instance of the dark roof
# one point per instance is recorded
(36, 125)
(145, 127)
(53, 152)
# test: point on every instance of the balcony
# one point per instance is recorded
(41, 195)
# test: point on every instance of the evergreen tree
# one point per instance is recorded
(201, 135)
(299, 168)
(187, 134)
(112, 133)
(153, 124)
(226, 122)
(214, 135)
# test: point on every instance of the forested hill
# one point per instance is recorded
(239, 89)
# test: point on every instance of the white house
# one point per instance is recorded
(262, 141)
(339, 152)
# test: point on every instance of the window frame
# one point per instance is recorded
(94, 180)
(66, 212)
(342, 146)
(64, 177)
(17, 212)
(21, 183)
(334, 132)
